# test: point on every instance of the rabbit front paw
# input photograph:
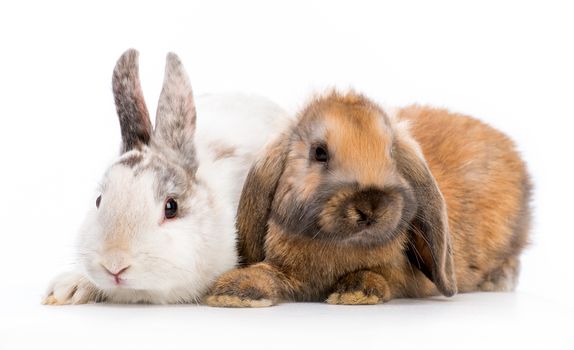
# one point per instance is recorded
(71, 288)
(360, 288)
(254, 286)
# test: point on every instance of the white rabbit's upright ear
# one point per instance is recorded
(175, 117)
(132, 112)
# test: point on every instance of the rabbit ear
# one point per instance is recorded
(132, 112)
(430, 245)
(175, 117)
(256, 199)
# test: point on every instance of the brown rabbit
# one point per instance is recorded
(356, 205)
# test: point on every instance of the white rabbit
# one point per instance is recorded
(163, 227)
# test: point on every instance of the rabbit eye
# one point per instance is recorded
(98, 200)
(170, 208)
(320, 153)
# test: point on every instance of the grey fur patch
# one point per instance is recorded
(171, 180)
(132, 112)
(132, 161)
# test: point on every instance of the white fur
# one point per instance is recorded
(173, 261)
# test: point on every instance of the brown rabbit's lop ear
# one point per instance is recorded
(430, 245)
(132, 112)
(256, 199)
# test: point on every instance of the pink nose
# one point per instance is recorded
(116, 272)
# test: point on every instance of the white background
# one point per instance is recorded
(509, 64)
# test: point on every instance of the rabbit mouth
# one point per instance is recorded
(112, 282)
(363, 233)
(372, 235)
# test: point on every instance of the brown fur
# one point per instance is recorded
(449, 202)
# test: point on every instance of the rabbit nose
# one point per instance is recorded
(364, 217)
(116, 271)
(366, 207)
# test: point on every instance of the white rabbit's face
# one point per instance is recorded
(153, 230)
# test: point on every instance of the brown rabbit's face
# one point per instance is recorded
(340, 181)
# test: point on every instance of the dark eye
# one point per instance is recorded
(98, 200)
(170, 208)
(320, 153)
